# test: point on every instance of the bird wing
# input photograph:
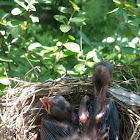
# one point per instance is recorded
(109, 120)
(52, 129)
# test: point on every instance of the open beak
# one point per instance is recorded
(47, 103)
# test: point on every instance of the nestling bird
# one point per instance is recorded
(99, 120)
(59, 108)
(61, 121)
(103, 122)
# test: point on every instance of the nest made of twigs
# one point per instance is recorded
(21, 109)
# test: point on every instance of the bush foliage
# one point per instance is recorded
(48, 39)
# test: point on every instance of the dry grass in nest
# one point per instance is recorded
(21, 109)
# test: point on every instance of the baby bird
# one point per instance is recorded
(61, 121)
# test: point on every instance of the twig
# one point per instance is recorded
(35, 117)
(36, 67)
(33, 68)
(128, 8)
(135, 130)
(132, 76)
(43, 65)
(126, 26)
(81, 42)
(26, 32)
(136, 59)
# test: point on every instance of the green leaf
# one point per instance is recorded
(79, 67)
(130, 50)
(0, 41)
(2, 13)
(60, 18)
(64, 10)
(31, 7)
(71, 37)
(98, 44)
(4, 80)
(74, 47)
(113, 11)
(125, 16)
(21, 3)
(1, 69)
(35, 59)
(127, 5)
(74, 6)
(49, 55)
(112, 56)
(91, 54)
(16, 53)
(71, 72)
(138, 3)
(16, 22)
(109, 40)
(5, 59)
(34, 46)
(9, 38)
(3, 23)
(7, 3)
(68, 53)
(34, 19)
(17, 41)
(127, 50)
(16, 11)
(117, 1)
(3, 93)
(2, 32)
(65, 28)
(90, 64)
(77, 19)
(85, 38)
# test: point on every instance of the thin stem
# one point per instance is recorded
(126, 26)
(37, 75)
(128, 8)
(71, 17)
(26, 33)
(9, 67)
(81, 42)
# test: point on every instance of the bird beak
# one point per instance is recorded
(83, 117)
(83, 113)
(46, 102)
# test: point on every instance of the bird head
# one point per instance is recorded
(102, 74)
(57, 106)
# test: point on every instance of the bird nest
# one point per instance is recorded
(21, 109)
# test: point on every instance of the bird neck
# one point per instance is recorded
(95, 132)
(101, 98)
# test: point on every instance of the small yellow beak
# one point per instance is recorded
(47, 102)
